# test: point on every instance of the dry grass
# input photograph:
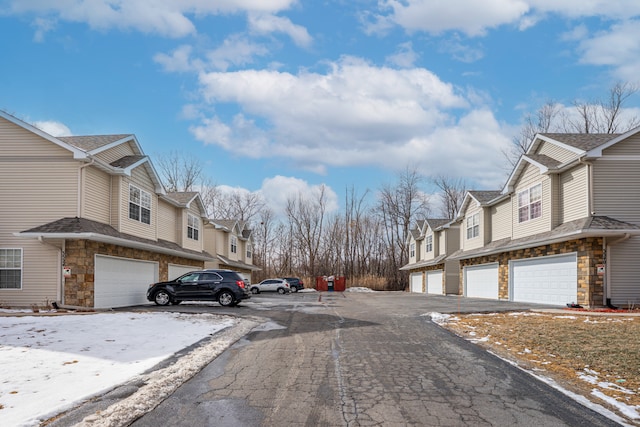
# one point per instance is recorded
(565, 347)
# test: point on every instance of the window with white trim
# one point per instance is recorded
(10, 268)
(139, 205)
(249, 250)
(412, 250)
(473, 226)
(234, 244)
(429, 243)
(530, 203)
(193, 227)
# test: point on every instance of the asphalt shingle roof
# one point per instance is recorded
(582, 141)
(92, 142)
(485, 196)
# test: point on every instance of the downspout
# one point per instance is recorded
(607, 276)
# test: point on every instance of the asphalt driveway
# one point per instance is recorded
(359, 359)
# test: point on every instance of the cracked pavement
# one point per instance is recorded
(362, 360)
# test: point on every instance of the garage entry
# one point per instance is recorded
(434, 282)
(545, 280)
(416, 282)
(176, 270)
(121, 282)
(481, 281)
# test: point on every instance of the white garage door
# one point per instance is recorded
(121, 282)
(434, 282)
(416, 282)
(481, 281)
(545, 280)
(176, 270)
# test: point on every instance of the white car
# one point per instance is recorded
(280, 286)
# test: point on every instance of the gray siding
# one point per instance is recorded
(624, 272)
(573, 194)
(615, 188)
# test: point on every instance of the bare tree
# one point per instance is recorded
(398, 206)
(180, 172)
(237, 204)
(452, 191)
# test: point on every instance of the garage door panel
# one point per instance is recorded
(545, 280)
(122, 282)
(481, 281)
(176, 270)
(434, 282)
(416, 282)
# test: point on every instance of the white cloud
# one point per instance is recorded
(179, 60)
(279, 189)
(53, 128)
(267, 24)
(236, 50)
(167, 18)
(618, 47)
(405, 56)
(355, 114)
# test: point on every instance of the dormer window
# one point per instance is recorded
(473, 226)
(139, 205)
(429, 243)
(530, 203)
(193, 227)
(249, 250)
(234, 244)
(412, 250)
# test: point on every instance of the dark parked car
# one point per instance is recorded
(295, 283)
(280, 286)
(225, 286)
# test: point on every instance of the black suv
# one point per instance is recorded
(295, 283)
(225, 286)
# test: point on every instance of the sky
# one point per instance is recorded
(283, 96)
(52, 363)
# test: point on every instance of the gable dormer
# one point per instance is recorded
(475, 219)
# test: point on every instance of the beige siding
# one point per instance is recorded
(442, 241)
(19, 142)
(210, 240)
(561, 154)
(628, 147)
(116, 153)
(615, 188)
(501, 221)
(530, 177)
(475, 242)
(573, 194)
(41, 273)
(117, 183)
(167, 216)
(96, 195)
(141, 180)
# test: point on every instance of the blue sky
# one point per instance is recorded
(281, 96)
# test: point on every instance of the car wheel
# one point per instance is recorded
(162, 298)
(225, 299)
(294, 289)
(255, 290)
(281, 290)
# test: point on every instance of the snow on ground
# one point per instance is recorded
(49, 364)
(359, 289)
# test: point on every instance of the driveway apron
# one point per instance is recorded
(354, 359)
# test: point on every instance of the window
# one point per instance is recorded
(530, 203)
(193, 227)
(473, 226)
(234, 244)
(249, 249)
(412, 250)
(10, 268)
(139, 205)
(429, 243)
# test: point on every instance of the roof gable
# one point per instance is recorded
(482, 198)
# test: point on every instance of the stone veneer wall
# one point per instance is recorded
(80, 257)
(425, 269)
(589, 255)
